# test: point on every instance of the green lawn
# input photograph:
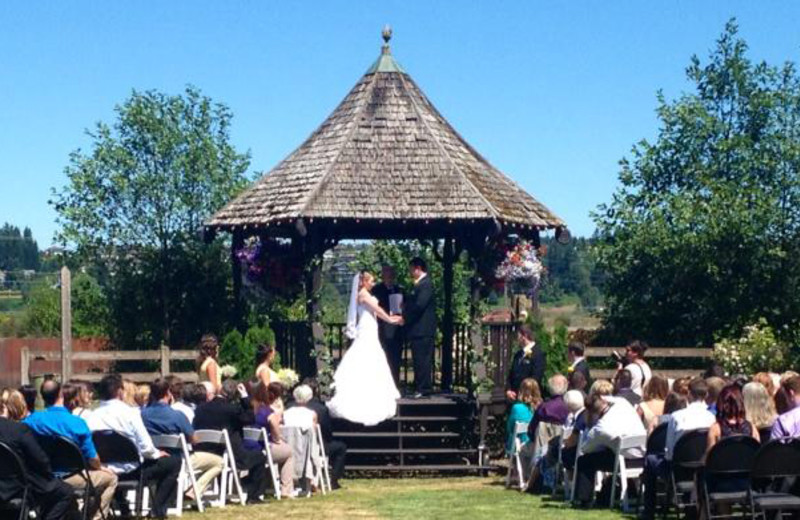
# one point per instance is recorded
(414, 499)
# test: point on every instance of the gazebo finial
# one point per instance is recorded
(387, 35)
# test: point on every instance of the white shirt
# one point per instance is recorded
(693, 417)
(637, 371)
(299, 417)
(620, 420)
(185, 409)
(577, 360)
(126, 420)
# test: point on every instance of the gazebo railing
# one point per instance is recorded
(294, 345)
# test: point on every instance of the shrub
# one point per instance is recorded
(240, 351)
(757, 350)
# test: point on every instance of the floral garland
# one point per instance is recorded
(521, 269)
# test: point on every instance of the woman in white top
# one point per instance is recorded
(637, 366)
(299, 415)
(265, 356)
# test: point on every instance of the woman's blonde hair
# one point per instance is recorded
(766, 379)
(14, 405)
(601, 387)
(141, 396)
(128, 392)
(758, 405)
(529, 393)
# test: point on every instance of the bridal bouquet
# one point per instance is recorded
(288, 377)
(521, 268)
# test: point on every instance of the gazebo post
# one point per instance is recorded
(447, 325)
(313, 252)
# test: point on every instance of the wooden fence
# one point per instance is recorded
(163, 355)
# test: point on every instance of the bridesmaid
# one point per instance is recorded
(207, 366)
(265, 356)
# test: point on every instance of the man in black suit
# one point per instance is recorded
(390, 335)
(335, 450)
(225, 412)
(578, 363)
(53, 496)
(528, 361)
(419, 315)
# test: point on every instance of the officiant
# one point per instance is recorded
(390, 298)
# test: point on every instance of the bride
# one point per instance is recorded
(363, 383)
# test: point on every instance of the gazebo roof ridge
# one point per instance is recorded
(385, 131)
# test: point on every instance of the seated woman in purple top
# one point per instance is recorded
(264, 396)
(788, 398)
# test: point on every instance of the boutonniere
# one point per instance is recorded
(571, 370)
(528, 350)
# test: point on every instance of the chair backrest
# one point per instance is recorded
(12, 468)
(690, 449)
(254, 434)
(765, 434)
(657, 441)
(65, 456)
(115, 448)
(627, 442)
(520, 428)
(167, 442)
(777, 459)
(732, 456)
(210, 436)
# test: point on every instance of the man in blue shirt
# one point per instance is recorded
(161, 419)
(57, 421)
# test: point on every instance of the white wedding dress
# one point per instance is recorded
(364, 390)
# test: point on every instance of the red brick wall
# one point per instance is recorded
(10, 349)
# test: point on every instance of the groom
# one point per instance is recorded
(419, 315)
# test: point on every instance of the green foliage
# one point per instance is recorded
(553, 343)
(42, 316)
(703, 235)
(758, 349)
(240, 351)
(18, 249)
(571, 273)
(133, 209)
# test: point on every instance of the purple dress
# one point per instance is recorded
(261, 421)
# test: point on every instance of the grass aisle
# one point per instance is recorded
(457, 498)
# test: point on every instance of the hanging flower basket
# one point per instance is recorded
(521, 269)
(272, 267)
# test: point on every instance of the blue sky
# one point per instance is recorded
(552, 93)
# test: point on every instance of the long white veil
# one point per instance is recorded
(352, 308)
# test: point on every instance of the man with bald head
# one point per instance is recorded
(57, 421)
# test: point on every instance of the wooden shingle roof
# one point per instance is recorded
(385, 153)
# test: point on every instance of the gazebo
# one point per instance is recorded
(385, 165)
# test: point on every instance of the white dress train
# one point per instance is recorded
(364, 390)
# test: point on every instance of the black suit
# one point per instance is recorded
(53, 496)
(583, 367)
(419, 313)
(220, 414)
(523, 367)
(336, 450)
(391, 336)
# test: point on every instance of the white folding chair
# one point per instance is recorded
(187, 476)
(514, 459)
(578, 453)
(260, 435)
(558, 470)
(229, 472)
(620, 467)
(325, 479)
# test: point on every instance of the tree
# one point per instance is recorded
(134, 207)
(703, 235)
(18, 250)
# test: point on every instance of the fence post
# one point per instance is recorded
(25, 365)
(164, 360)
(66, 325)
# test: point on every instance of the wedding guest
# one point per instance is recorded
(78, 398)
(207, 365)
(29, 394)
(390, 335)
(730, 418)
(160, 418)
(335, 449)
(142, 396)
(577, 361)
(225, 412)
(548, 420)
(623, 381)
(788, 375)
(715, 386)
(694, 417)
(652, 406)
(179, 393)
(300, 415)
(788, 423)
(159, 469)
(635, 363)
(528, 361)
(528, 398)
(265, 356)
(576, 423)
(577, 381)
(765, 378)
(611, 419)
(53, 496)
(267, 417)
(672, 404)
(681, 386)
(602, 387)
(197, 395)
(759, 408)
(57, 421)
(129, 393)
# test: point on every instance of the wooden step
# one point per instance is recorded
(426, 401)
(409, 451)
(420, 467)
(389, 435)
(424, 418)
